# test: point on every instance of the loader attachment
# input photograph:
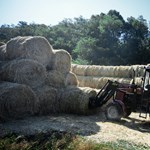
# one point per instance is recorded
(104, 95)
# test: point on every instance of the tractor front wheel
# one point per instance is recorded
(114, 111)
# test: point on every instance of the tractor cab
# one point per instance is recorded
(146, 79)
(145, 96)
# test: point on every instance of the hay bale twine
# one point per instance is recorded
(71, 80)
(48, 99)
(17, 101)
(61, 61)
(76, 100)
(24, 71)
(36, 48)
(3, 52)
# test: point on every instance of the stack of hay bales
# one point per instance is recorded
(36, 79)
(96, 76)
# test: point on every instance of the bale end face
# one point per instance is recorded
(76, 100)
(17, 101)
(61, 61)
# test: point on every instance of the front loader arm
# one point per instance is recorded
(104, 95)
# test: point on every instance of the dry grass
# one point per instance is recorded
(63, 140)
(121, 135)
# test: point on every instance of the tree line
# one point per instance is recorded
(105, 39)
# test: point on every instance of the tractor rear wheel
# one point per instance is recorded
(114, 111)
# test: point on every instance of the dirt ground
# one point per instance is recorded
(95, 127)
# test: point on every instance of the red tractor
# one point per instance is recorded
(124, 98)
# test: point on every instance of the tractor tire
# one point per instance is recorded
(114, 112)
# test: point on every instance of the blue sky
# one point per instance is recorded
(51, 12)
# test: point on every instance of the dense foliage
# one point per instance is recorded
(105, 39)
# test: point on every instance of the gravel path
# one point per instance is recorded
(94, 127)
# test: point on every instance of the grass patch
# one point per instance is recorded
(62, 141)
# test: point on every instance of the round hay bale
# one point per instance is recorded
(101, 82)
(92, 82)
(124, 72)
(36, 48)
(98, 82)
(56, 79)
(79, 70)
(138, 81)
(81, 80)
(24, 71)
(61, 61)
(76, 100)
(3, 52)
(48, 100)
(73, 67)
(139, 70)
(101, 71)
(89, 70)
(17, 101)
(71, 79)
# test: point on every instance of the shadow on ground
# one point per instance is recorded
(135, 122)
(82, 125)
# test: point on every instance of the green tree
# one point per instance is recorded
(85, 49)
(134, 41)
(105, 39)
